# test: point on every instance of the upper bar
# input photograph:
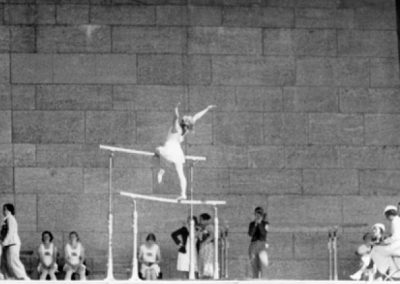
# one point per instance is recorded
(145, 153)
(170, 200)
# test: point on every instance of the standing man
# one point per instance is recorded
(258, 246)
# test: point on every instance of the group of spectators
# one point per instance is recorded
(11, 265)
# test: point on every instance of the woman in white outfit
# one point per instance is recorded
(74, 257)
(149, 258)
(172, 151)
(47, 252)
(12, 245)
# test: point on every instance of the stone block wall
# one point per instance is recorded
(306, 124)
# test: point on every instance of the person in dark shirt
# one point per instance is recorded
(258, 246)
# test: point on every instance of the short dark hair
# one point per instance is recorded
(205, 216)
(74, 233)
(10, 207)
(391, 212)
(48, 233)
(151, 237)
(259, 210)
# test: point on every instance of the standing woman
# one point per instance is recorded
(206, 252)
(47, 257)
(12, 245)
(258, 246)
(172, 151)
(74, 257)
(182, 239)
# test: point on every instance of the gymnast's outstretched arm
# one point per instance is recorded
(200, 114)
(175, 123)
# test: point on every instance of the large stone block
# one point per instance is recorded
(310, 99)
(266, 157)
(22, 39)
(49, 180)
(324, 18)
(6, 155)
(330, 182)
(149, 40)
(267, 17)
(6, 180)
(71, 14)
(19, 14)
(220, 96)
(367, 43)
(110, 127)
(152, 127)
(375, 19)
(265, 181)
(210, 182)
(5, 68)
(222, 156)
(26, 205)
(74, 97)
(311, 211)
(243, 70)
(161, 69)
(46, 14)
(123, 15)
(255, 98)
(24, 155)
(135, 180)
(48, 127)
(384, 72)
(197, 69)
(304, 3)
(232, 130)
(371, 4)
(159, 98)
(299, 42)
(203, 131)
(361, 157)
(365, 210)
(31, 68)
(378, 182)
(168, 15)
(285, 128)
(205, 16)
(225, 40)
(74, 39)
(332, 71)
(95, 69)
(23, 97)
(365, 100)
(311, 157)
(382, 129)
(5, 126)
(5, 97)
(70, 155)
(336, 129)
(4, 39)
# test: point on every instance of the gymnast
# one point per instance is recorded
(172, 151)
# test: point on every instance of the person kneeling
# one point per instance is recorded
(74, 257)
(150, 257)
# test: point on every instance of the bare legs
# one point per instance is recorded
(182, 179)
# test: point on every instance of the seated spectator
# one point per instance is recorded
(74, 257)
(47, 252)
(149, 258)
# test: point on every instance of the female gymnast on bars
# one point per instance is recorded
(172, 151)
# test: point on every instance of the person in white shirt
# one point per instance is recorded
(150, 257)
(74, 257)
(385, 254)
(11, 244)
(47, 252)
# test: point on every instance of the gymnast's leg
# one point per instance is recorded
(182, 179)
(157, 160)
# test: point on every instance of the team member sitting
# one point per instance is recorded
(150, 257)
(74, 257)
(47, 252)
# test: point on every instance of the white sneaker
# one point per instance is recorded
(356, 276)
(160, 175)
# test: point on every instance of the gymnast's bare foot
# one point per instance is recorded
(160, 175)
(182, 197)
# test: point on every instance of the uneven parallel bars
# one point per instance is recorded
(170, 200)
(145, 153)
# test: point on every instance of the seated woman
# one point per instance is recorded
(149, 258)
(384, 253)
(367, 269)
(47, 252)
(74, 257)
